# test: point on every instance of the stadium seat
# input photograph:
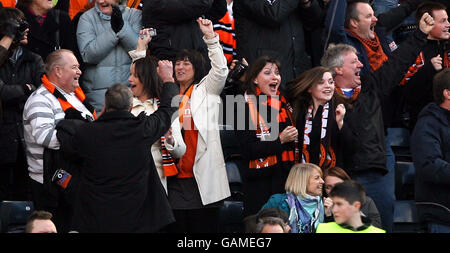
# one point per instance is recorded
(404, 180)
(405, 217)
(14, 215)
(234, 180)
(400, 142)
(231, 216)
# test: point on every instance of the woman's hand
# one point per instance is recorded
(328, 206)
(289, 134)
(340, 113)
(206, 27)
(143, 39)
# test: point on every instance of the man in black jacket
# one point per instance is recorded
(430, 147)
(275, 28)
(434, 57)
(365, 157)
(176, 25)
(119, 188)
(20, 73)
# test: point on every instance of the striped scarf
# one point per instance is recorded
(327, 157)
(65, 105)
(169, 167)
(284, 113)
(420, 61)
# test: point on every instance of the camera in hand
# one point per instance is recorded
(23, 26)
(237, 72)
(151, 32)
(62, 178)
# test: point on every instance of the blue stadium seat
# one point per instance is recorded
(234, 180)
(14, 215)
(405, 217)
(400, 142)
(404, 180)
(231, 216)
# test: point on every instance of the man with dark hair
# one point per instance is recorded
(271, 225)
(348, 197)
(430, 148)
(20, 73)
(119, 188)
(434, 57)
(40, 222)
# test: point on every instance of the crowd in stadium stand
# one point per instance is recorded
(252, 116)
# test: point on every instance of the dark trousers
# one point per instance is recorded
(14, 179)
(203, 220)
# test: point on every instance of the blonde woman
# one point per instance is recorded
(303, 198)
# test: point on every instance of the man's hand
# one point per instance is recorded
(206, 27)
(165, 71)
(437, 62)
(169, 137)
(426, 23)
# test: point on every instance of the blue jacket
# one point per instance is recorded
(430, 148)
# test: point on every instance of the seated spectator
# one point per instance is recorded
(348, 197)
(40, 222)
(270, 225)
(336, 175)
(146, 88)
(319, 117)
(50, 29)
(430, 148)
(105, 34)
(303, 198)
(20, 74)
(266, 132)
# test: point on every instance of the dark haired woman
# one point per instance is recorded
(146, 86)
(319, 115)
(266, 133)
(196, 191)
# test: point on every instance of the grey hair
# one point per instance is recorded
(54, 59)
(118, 98)
(334, 56)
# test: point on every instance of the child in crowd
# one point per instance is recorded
(347, 198)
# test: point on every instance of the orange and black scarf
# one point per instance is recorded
(284, 116)
(65, 105)
(374, 51)
(420, 61)
(169, 167)
(353, 94)
(327, 156)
